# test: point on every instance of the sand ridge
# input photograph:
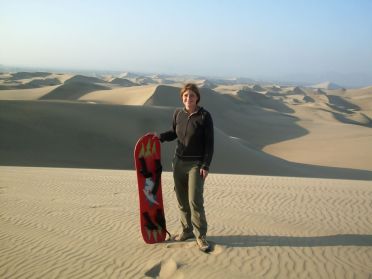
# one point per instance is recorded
(135, 95)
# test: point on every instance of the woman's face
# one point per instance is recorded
(189, 99)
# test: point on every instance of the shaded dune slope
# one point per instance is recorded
(58, 134)
(76, 87)
(35, 83)
(259, 99)
(26, 75)
(123, 82)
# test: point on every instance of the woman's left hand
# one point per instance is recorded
(203, 173)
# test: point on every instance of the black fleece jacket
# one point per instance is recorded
(194, 134)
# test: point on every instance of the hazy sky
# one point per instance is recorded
(276, 39)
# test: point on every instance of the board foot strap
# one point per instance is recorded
(144, 171)
(150, 225)
(159, 219)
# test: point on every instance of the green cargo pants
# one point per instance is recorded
(189, 187)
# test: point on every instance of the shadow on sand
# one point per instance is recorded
(77, 135)
(291, 241)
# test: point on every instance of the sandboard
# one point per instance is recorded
(147, 155)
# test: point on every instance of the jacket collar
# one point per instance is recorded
(199, 109)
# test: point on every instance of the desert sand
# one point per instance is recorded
(80, 223)
(289, 194)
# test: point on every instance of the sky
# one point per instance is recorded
(294, 40)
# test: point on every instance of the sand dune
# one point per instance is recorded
(34, 83)
(145, 80)
(341, 104)
(27, 75)
(207, 84)
(76, 87)
(26, 94)
(78, 223)
(259, 99)
(123, 82)
(354, 118)
(82, 135)
(327, 85)
(136, 95)
(164, 95)
(297, 91)
(328, 142)
(360, 97)
(277, 131)
(258, 87)
(26, 80)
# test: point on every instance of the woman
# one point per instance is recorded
(193, 129)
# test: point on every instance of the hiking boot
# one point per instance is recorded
(184, 236)
(203, 243)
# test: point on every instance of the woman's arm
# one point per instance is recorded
(170, 134)
(208, 142)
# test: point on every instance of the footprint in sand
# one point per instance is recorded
(165, 269)
(183, 245)
(215, 248)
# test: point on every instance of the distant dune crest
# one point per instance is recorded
(327, 85)
(123, 82)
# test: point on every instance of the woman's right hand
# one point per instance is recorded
(155, 136)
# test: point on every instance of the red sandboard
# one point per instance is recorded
(147, 162)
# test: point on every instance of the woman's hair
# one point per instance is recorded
(192, 87)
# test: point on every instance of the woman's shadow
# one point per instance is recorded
(293, 241)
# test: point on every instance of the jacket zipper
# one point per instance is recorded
(187, 125)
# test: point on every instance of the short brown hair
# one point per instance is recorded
(192, 87)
